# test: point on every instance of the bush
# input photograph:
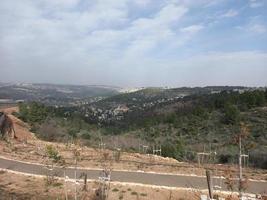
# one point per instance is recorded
(200, 112)
(170, 119)
(85, 135)
(225, 158)
(173, 150)
(258, 159)
(33, 112)
(115, 190)
(134, 193)
(231, 114)
(50, 131)
(52, 153)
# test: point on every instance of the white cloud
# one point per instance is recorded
(146, 33)
(58, 3)
(163, 19)
(256, 3)
(142, 2)
(257, 28)
(194, 3)
(101, 29)
(230, 13)
(254, 27)
(170, 13)
(100, 42)
(192, 29)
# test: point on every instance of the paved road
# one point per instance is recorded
(133, 177)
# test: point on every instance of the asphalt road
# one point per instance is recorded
(132, 177)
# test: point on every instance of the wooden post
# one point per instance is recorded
(85, 182)
(240, 167)
(209, 181)
(198, 160)
(65, 185)
(75, 176)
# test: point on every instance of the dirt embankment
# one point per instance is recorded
(28, 148)
(21, 129)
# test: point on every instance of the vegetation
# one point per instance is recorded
(33, 112)
(134, 193)
(115, 190)
(52, 153)
(182, 126)
(54, 94)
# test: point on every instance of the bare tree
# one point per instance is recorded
(105, 175)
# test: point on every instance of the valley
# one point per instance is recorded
(154, 132)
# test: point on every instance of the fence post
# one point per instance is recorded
(209, 181)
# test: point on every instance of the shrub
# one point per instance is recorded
(173, 150)
(226, 158)
(52, 153)
(134, 193)
(115, 190)
(231, 114)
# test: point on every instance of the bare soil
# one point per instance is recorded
(20, 186)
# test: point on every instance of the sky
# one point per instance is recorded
(134, 43)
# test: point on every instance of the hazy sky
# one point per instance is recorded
(134, 42)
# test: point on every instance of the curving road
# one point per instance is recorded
(132, 177)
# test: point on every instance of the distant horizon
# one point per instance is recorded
(130, 87)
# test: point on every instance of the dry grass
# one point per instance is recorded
(18, 186)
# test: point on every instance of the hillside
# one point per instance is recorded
(121, 106)
(181, 126)
(30, 149)
(53, 94)
(27, 147)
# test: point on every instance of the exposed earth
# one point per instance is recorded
(19, 186)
